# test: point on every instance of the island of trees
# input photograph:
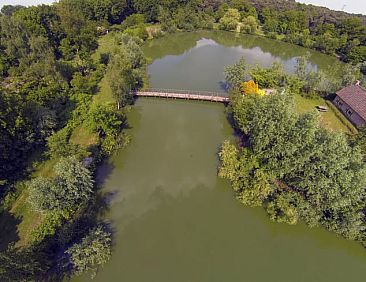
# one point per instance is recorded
(57, 124)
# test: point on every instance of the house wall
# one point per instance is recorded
(348, 112)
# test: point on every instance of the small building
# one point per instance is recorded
(351, 101)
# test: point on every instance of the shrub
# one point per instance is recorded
(93, 251)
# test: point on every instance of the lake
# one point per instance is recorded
(174, 219)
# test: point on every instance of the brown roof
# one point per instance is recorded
(355, 97)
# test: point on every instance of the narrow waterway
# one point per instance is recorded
(174, 219)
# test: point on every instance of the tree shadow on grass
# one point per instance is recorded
(8, 229)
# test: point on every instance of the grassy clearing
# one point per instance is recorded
(328, 119)
(104, 95)
(29, 219)
(105, 45)
(83, 137)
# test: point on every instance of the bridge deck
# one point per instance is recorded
(183, 94)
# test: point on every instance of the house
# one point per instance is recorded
(351, 101)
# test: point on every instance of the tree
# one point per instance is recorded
(273, 77)
(235, 74)
(229, 161)
(59, 145)
(41, 20)
(42, 194)
(18, 134)
(92, 252)
(21, 265)
(149, 8)
(80, 32)
(251, 183)
(327, 43)
(360, 140)
(230, 20)
(250, 87)
(126, 69)
(249, 25)
(357, 54)
(282, 209)
(9, 10)
(349, 75)
(71, 187)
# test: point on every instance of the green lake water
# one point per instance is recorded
(174, 219)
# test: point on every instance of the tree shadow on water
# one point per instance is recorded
(8, 229)
(103, 173)
(224, 85)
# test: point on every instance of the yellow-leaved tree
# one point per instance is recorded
(250, 87)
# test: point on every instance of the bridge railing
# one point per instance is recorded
(180, 91)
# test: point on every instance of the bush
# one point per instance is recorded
(138, 31)
(93, 251)
(59, 145)
(71, 187)
(133, 20)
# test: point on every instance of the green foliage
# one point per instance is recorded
(281, 209)
(104, 120)
(81, 33)
(92, 252)
(235, 74)
(71, 187)
(76, 183)
(48, 227)
(108, 123)
(360, 140)
(133, 20)
(20, 265)
(87, 83)
(230, 20)
(229, 162)
(137, 31)
(249, 25)
(59, 145)
(319, 176)
(251, 183)
(126, 70)
(272, 77)
(23, 126)
(41, 194)
(9, 10)
(304, 81)
(316, 175)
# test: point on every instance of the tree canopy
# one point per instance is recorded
(294, 168)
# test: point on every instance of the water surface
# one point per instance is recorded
(196, 60)
(174, 219)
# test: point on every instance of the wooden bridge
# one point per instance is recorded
(184, 94)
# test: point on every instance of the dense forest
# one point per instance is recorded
(51, 72)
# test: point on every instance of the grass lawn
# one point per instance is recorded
(29, 219)
(104, 95)
(105, 45)
(82, 136)
(328, 119)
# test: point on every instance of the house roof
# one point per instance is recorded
(355, 97)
